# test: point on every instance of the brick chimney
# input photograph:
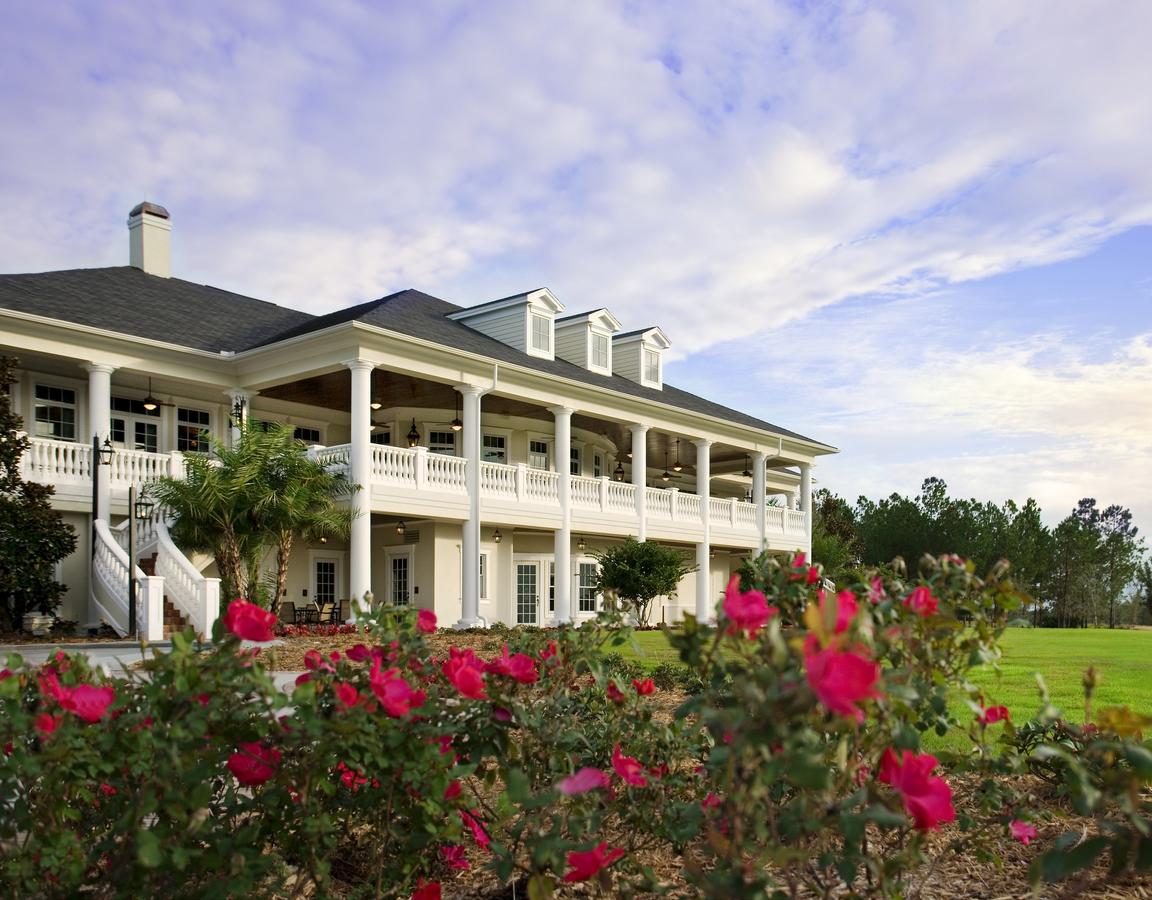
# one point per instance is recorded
(150, 239)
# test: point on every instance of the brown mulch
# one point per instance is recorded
(23, 637)
(289, 655)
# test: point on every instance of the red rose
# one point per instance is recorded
(587, 779)
(921, 602)
(46, 723)
(992, 715)
(583, 865)
(394, 693)
(426, 621)
(249, 621)
(88, 702)
(645, 687)
(845, 608)
(466, 672)
(746, 611)
(927, 798)
(518, 666)
(628, 768)
(426, 890)
(254, 763)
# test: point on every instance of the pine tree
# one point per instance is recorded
(33, 536)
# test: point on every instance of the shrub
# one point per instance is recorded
(795, 766)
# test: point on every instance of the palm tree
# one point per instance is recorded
(244, 501)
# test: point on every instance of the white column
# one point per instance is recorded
(704, 600)
(806, 500)
(561, 459)
(100, 424)
(640, 478)
(470, 544)
(360, 463)
(759, 457)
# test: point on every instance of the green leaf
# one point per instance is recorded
(1057, 865)
(885, 817)
(1140, 759)
(519, 787)
(148, 849)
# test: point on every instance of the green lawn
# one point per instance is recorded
(1123, 660)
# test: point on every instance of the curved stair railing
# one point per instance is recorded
(109, 586)
(195, 596)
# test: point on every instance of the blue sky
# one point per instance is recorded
(919, 231)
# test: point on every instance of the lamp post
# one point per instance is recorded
(138, 508)
(101, 455)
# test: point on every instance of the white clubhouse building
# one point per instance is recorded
(498, 445)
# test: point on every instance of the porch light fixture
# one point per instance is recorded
(497, 537)
(747, 473)
(144, 507)
(237, 417)
(581, 544)
(665, 475)
(375, 404)
(323, 539)
(456, 424)
(618, 472)
(401, 528)
(676, 467)
(712, 553)
(150, 403)
(105, 451)
(413, 435)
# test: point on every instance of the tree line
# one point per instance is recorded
(1088, 570)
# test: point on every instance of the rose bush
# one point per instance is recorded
(796, 764)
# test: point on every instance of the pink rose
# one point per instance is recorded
(992, 714)
(394, 693)
(1023, 832)
(466, 672)
(518, 666)
(628, 768)
(845, 608)
(249, 621)
(927, 798)
(921, 602)
(426, 621)
(840, 678)
(746, 611)
(88, 702)
(587, 779)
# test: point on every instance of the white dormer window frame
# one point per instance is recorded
(599, 344)
(539, 334)
(650, 366)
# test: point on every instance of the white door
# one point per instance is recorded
(527, 593)
(325, 580)
(399, 586)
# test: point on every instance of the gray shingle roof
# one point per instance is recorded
(129, 301)
(126, 300)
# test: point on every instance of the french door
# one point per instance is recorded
(399, 583)
(527, 593)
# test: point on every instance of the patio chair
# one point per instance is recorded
(327, 613)
(345, 610)
(307, 614)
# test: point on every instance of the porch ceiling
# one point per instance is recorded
(333, 391)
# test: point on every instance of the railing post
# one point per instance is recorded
(421, 467)
(521, 482)
(176, 465)
(153, 607)
(674, 498)
(732, 511)
(604, 481)
(209, 605)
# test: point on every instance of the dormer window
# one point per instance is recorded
(651, 366)
(541, 333)
(599, 350)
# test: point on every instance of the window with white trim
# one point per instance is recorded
(134, 427)
(380, 437)
(541, 333)
(494, 449)
(597, 465)
(574, 460)
(599, 350)
(586, 587)
(551, 587)
(442, 442)
(307, 435)
(483, 576)
(55, 412)
(538, 454)
(651, 366)
(192, 430)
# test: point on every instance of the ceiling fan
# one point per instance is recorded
(150, 403)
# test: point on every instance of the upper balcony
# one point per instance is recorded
(415, 483)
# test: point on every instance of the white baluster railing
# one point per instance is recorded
(196, 596)
(746, 515)
(335, 457)
(689, 507)
(774, 521)
(497, 480)
(141, 467)
(719, 511)
(394, 465)
(447, 473)
(621, 497)
(56, 462)
(585, 492)
(109, 586)
(794, 523)
(659, 503)
(541, 486)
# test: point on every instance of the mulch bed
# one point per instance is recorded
(950, 877)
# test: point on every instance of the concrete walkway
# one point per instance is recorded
(114, 657)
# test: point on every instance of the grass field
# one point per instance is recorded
(1123, 660)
